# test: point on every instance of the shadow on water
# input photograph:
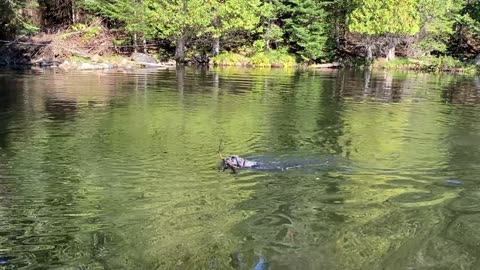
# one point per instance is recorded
(10, 100)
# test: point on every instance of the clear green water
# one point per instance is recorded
(118, 170)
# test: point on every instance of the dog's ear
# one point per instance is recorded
(228, 163)
(235, 160)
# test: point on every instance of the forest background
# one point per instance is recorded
(434, 34)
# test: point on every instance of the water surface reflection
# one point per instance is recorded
(118, 170)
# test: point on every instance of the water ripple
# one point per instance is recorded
(119, 170)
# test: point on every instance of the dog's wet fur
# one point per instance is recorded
(235, 162)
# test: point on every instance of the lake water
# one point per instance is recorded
(111, 170)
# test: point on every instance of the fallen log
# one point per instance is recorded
(150, 64)
(327, 65)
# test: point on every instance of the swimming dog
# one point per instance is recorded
(235, 162)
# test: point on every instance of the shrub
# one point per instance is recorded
(430, 64)
(230, 59)
(274, 58)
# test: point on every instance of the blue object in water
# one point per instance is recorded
(453, 181)
(4, 260)
(260, 265)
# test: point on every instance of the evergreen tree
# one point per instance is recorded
(470, 15)
(58, 12)
(270, 25)
(130, 13)
(338, 12)
(306, 27)
(468, 28)
(12, 20)
(8, 18)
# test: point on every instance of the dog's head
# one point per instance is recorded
(232, 162)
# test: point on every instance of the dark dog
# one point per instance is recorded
(235, 162)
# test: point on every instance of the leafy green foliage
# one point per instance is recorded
(28, 29)
(272, 58)
(129, 12)
(12, 20)
(437, 23)
(430, 64)
(233, 14)
(470, 16)
(259, 45)
(171, 18)
(387, 21)
(228, 58)
(272, 34)
(373, 17)
(87, 32)
(306, 27)
(313, 30)
(177, 20)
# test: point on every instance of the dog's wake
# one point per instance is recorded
(235, 163)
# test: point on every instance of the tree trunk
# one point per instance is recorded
(216, 35)
(135, 45)
(391, 53)
(180, 49)
(369, 52)
(74, 14)
(266, 41)
(144, 41)
(337, 33)
(216, 46)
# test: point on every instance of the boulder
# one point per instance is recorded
(86, 66)
(65, 65)
(143, 58)
(96, 58)
(108, 66)
(89, 66)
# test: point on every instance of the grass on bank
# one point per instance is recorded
(428, 64)
(98, 59)
(273, 58)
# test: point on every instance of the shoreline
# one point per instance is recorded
(141, 60)
(53, 50)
